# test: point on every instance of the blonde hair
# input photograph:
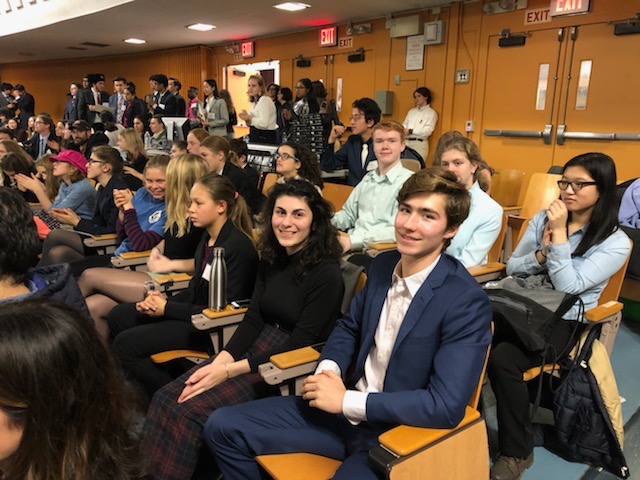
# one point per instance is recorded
(182, 172)
(220, 189)
(134, 147)
(217, 144)
(261, 84)
(51, 183)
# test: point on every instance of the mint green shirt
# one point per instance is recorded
(369, 212)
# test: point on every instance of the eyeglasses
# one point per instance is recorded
(356, 117)
(576, 186)
(91, 160)
(285, 156)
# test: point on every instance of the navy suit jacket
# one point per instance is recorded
(71, 110)
(348, 156)
(167, 105)
(438, 355)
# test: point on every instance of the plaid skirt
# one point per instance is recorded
(173, 432)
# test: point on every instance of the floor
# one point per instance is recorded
(626, 365)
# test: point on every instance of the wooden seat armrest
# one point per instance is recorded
(228, 310)
(603, 312)
(164, 357)
(404, 440)
(173, 277)
(293, 358)
(490, 267)
(132, 255)
(382, 246)
(106, 236)
(212, 320)
(533, 372)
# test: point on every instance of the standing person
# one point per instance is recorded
(218, 154)
(357, 152)
(6, 97)
(577, 242)
(134, 106)
(131, 144)
(64, 246)
(157, 324)
(164, 103)
(299, 287)
(306, 101)
(174, 87)
(233, 116)
(284, 112)
(117, 101)
(91, 100)
(262, 116)
(193, 107)
(420, 122)
(480, 230)
(410, 351)
(75, 191)
(60, 434)
(214, 114)
(71, 109)
(272, 91)
(23, 101)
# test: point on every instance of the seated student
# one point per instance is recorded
(130, 144)
(242, 153)
(480, 230)
(158, 140)
(178, 147)
(64, 246)
(20, 246)
(410, 351)
(296, 161)
(157, 324)
(629, 214)
(367, 215)
(218, 154)
(195, 138)
(357, 153)
(75, 191)
(577, 242)
(295, 303)
(44, 173)
(49, 427)
(13, 164)
(104, 288)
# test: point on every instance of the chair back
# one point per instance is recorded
(336, 194)
(496, 249)
(506, 185)
(612, 291)
(411, 164)
(269, 181)
(541, 191)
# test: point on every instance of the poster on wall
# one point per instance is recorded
(339, 94)
(415, 53)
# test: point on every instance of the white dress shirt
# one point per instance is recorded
(399, 298)
(421, 121)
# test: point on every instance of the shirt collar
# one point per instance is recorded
(391, 175)
(415, 281)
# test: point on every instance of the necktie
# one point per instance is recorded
(364, 153)
(97, 98)
(120, 111)
(42, 147)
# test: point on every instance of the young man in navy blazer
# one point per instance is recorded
(416, 337)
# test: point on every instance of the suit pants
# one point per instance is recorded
(287, 425)
(507, 362)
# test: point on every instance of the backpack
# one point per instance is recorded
(583, 431)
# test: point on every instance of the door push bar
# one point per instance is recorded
(563, 134)
(545, 134)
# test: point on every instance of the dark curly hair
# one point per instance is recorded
(18, 237)
(323, 239)
(309, 165)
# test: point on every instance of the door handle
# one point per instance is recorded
(563, 135)
(544, 134)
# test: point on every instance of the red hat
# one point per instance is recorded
(73, 157)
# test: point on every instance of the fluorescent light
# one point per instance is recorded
(135, 41)
(201, 27)
(292, 6)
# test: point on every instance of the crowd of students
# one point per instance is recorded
(410, 348)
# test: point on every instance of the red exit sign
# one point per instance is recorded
(329, 37)
(247, 50)
(568, 7)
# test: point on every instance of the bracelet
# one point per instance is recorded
(226, 367)
(542, 252)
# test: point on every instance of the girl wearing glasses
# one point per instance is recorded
(577, 242)
(295, 161)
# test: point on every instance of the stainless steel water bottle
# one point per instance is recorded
(218, 281)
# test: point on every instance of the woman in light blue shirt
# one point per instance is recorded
(577, 242)
(479, 231)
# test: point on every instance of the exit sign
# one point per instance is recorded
(329, 37)
(568, 7)
(247, 50)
